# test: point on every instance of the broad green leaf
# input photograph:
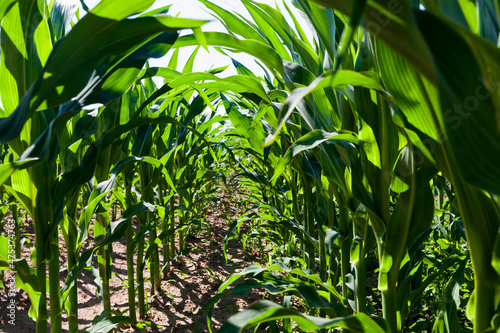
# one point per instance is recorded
(233, 23)
(464, 95)
(307, 142)
(105, 325)
(470, 12)
(200, 37)
(253, 47)
(25, 276)
(413, 211)
(235, 82)
(164, 72)
(323, 21)
(269, 31)
(394, 24)
(21, 183)
(52, 87)
(19, 65)
(416, 99)
(314, 109)
(243, 125)
(265, 311)
(276, 19)
(5, 6)
(109, 10)
(443, 58)
(327, 80)
(488, 21)
(188, 67)
(6, 170)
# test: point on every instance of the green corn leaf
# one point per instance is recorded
(115, 233)
(464, 95)
(253, 47)
(404, 290)
(394, 24)
(297, 25)
(323, 21)
(85, 171)
(333, 165)
(488, 21)
(328, 79)
(443, 66)
(451, 10)
(269, 31)
(417, 102)
(257, 271)
(262, 278)
(103, 188)
(242, 70)
(469, 11)
(51, 88)
(265, 311)
(315, 111)
(200, 37)
(307, 142)
(18, 44)
(349, 31)
(105, 325)
(26, 278)
(233, 23)
(164, 72)
(21, 189)
(5, 6)
(302, 47)
(254, 134)
(188, 67)
(245, 83)
(25, 46)
(308, 293)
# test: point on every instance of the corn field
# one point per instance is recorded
(366, 153)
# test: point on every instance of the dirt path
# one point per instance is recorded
(194, 278)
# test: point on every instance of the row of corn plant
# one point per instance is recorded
(80, 145)
(68, 155)
(378, 130)
(349, 135)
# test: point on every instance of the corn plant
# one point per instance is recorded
(393, 167)
(106, 66)
(450, 80)
(367, 150)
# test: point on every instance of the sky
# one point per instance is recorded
(195, 10)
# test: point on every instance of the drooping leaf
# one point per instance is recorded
(307, 142)
(329, 79)
(98, 63)
(265, 311)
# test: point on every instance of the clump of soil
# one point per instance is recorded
(192, 281)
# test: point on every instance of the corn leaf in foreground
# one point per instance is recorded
(265, 311)
(95, 70)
